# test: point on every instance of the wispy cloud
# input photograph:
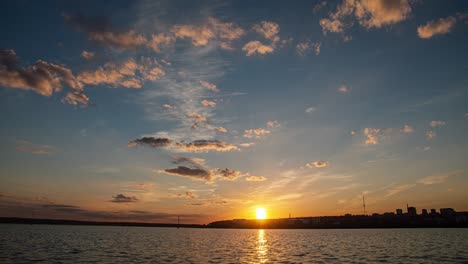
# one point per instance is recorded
(26, 146)
(121, 198)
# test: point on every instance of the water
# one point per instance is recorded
(79, 244)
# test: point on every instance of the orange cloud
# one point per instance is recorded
(436, 27)
(208, 103)
(256, 46)
(317, 164)
(256, 133)
(372, 135)
(209, 86)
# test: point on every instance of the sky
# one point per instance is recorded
(208, 110)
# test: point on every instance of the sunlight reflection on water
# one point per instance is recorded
(262, 247)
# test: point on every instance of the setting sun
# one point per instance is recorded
(261, 213)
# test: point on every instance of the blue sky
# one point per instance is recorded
(146, 110)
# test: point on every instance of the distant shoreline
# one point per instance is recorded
(31, 221)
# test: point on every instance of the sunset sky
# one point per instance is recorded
(146, 110)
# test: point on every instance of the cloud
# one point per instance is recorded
(255, 178)
(120, 198)
(398, 189)
(220, 129)
(247, 145)
(76, 98)
(430, 135)
(197, 162)
(436, 123)
(407, 129)
(369, 14)
(319, 6)
(317, 164)
(151, 141)
(209, 86)
(43, 78)
(344, 89)
(225, 33)
(87, 55)
(159, 40)
(256, 46)
(99, 30)
(168, 106)
(268, 30)
(273, 124)
(208, 103)
(196, 173)
(436, 179)
(303, 48)
(26, 146)
(203, 174)
(128, 73)
(200, 145)
(372, 135)
(436, 27)
(256, 133)
(310, 109)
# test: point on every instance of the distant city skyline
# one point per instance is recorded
(149, 110)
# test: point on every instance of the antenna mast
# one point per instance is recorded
(364, 204)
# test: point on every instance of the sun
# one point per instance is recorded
(260, 213)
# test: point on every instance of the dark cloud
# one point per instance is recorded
(197, 162)
(99, 29)
(151, 141)
(206, 145)
(120, 198)
(63, 208)
(43, 77)
(227, 174)
(201, 145)
(196, 173)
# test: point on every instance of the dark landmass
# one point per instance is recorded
(16, 220)
(446, 218)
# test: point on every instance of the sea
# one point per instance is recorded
(21, 243)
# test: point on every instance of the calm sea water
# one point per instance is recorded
(79, 244)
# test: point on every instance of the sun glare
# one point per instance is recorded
(261, 213)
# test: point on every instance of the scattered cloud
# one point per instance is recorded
(209, 176)
(87, 55)
(303, 48)
(99, 30)
(440, 26)
(200, 145)
(247, 145)
(256, 133)
(430, 135)
(273, 124)
(76, 98)
(369, 14)
(168, 106)
(120, 198)
(208, 103)
(209, 86)
(268, 30)
(214, 29)
(26, 146)
(344, 89)
(256, 46)
(317, 164)
(372, 135)
(311, 109)
(255, 178)
(319, 6)
(43, 77)
(220, 129)
(436, 123)
(129, 73)
(407, 129)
